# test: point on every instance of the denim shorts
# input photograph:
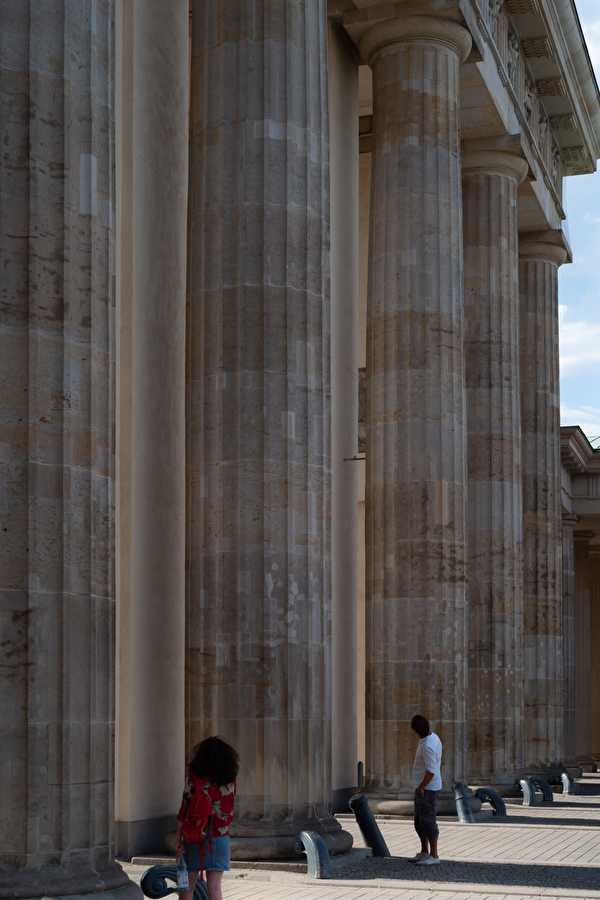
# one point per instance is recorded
(210, 856)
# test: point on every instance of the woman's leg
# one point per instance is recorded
(189, 894)
(213, 880)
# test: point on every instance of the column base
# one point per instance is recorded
(143, 837)
(268, 841)
(341, 798)
(59, 883)
(403, 804)
(504, 788)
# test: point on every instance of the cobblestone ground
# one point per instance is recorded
(549, 851)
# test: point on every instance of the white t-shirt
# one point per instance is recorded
(428, 758)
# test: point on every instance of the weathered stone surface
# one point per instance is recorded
(152, 72)
(56, 451)
(342, 78)
(569, 635)
(416, 465)
(542, 538)
(259, 429)
(494, 508)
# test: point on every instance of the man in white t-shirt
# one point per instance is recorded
(428, 781)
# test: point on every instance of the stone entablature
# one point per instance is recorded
(545, 72)
(532, 63)
(581, 484)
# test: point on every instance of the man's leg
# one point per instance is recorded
(419, 825)
(431, 825)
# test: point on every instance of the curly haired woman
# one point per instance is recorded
(206, 814)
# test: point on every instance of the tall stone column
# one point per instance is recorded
(494, 506)
(542, 539)
(152, 176)
(344, 151)
(56, 452)
(569, 523)
(259, 639)
(416, 466)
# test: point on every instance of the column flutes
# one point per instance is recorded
(569, 522)
(56, 447)
(415, 606)
(494, 506)
(540, 259)
(152, 181)
(259, 439)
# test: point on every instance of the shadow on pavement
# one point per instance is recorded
(479, 873)
(549, 822)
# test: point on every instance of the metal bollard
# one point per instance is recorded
(542, 785)
(488, 795)
(568, 784)
(528, 791)
(360, 775)
(463, 807)
(154, 883)
(359, 804)
(318, 864)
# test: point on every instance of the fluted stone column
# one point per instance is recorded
(342, 77)
(494, 508)
(259, 639)
(56, 452)
(569, 523)
(542, 539)
(415, 615)
(152, 177)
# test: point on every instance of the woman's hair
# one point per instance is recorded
(420, 725)
(215, 760)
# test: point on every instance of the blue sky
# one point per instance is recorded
(579, 283)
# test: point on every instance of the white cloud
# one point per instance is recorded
(587, 417)
(579, 344)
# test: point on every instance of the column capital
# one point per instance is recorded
(494, 162)
(384, 27)
(544, 246)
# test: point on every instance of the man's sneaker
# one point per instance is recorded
(420, 855)
(428, 861)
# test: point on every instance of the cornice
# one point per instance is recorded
(573, 57)
(576, 452)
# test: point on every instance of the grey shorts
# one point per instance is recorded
(425, 815)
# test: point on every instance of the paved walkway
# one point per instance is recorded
(550, 852)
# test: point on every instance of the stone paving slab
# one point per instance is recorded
(550, 852)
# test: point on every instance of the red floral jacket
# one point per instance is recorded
(203, 800)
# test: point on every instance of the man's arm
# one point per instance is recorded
(430, 761)
(424, 782)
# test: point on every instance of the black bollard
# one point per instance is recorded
(360, 775)
(154, 883)
(369, 828)
(463, 807)
(541, 785)
(488, 795)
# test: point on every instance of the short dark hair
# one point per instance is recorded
(421, 725)
(215, 760)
